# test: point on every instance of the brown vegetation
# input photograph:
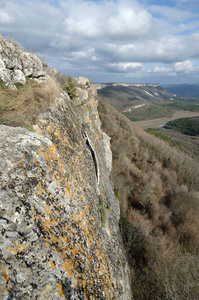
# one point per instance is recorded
(22, 107)
(159, 121)
(157, 187)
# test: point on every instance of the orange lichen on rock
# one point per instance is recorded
(52, 265)
(18, 248)
(6, 278)
(75, 253)
(67, 191)
(60, 250)
(40, 189)
(38, 130)
(4, 285)
(34, 214)
(60, 290)
(51, 155)
(68, 266)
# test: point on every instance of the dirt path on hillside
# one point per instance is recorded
(158, 122)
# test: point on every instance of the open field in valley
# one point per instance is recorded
(158, 122)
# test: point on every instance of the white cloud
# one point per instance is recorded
(129, 21)
(158, 69)
(5, 18)
(186, 67)
(88, 54)
(125, 67)
(165, 49)
(118, 36)
(120, 19)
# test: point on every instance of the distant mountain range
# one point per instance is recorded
(145, 101)
(186, 90)
(112, 84)
(123, 96)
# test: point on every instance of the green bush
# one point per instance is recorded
(118, 196)
(70, 88)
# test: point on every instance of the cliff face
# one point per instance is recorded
(104, 85)
(59, 216)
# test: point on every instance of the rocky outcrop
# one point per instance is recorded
(32, 66)
(59, 215)
(16, 65)
(18, 77)
(82, 80)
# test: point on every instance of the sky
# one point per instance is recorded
(132, 41)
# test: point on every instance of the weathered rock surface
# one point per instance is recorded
(5, 74)
(32, 65)
(54, 244)
(107, 151)
(9, 55)
(16, 65)
(82, 80)
(18, 77)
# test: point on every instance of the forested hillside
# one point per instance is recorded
(157, 188)
(188, 126)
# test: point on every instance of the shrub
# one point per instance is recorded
(159, 214)
(70, 88)
(117, 196)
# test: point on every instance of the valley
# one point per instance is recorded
(148, 105)
(159, 121)
(151, 106)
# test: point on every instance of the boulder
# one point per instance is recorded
(18, 77)
(82, 80)
(32, 65)
(9, 55)
(16, 65)
(11, 86)
(5, 74)
(52, 72)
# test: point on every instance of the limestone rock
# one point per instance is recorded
(107, 151)
(32, 65)
(18, 77)
(9, 55)
(11, 86)
(53, 242)
(52, 72)
(11, 61)
(5, 74)
(82, 96)
(82, 80)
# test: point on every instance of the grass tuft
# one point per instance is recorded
(22, 107)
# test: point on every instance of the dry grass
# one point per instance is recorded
(157, 122)
(22, 107)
